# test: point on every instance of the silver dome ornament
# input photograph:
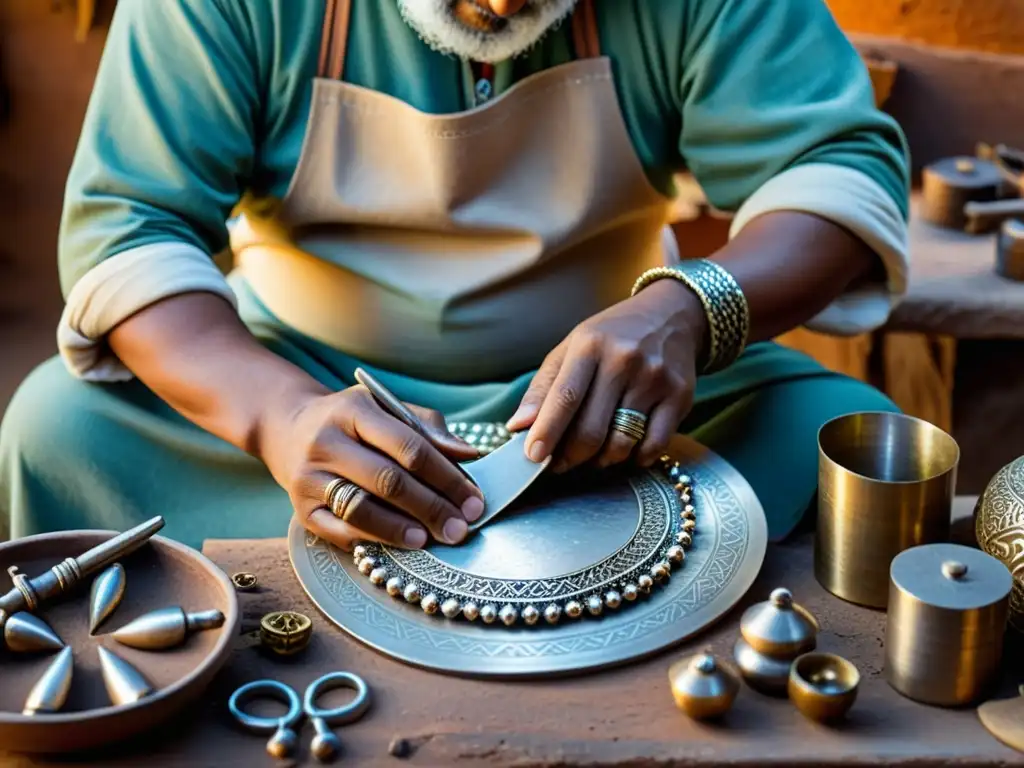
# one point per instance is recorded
(595, 605)
(451, 608)
(676, 554)
(630, 592)
(106, 594)
(508, 615)
(659, 571)
(430, 604)
(166, 628)
(689, 525)
(367, 564)
(50, 692)
(489, 614)
(378, 576)
(27, 633)
(412, 592)
(612, 599)
(684, 539)
(573, 609)
(645, 584)
(124, 683)
(395, 586)
(552, 613)
(530, 615)
(359, 553)
(471, 611)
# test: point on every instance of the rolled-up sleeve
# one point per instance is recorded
(778, 113)
(166, 150)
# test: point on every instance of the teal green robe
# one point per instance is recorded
(199, 102)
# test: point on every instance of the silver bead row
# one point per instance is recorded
(484, 436)
(370, 565)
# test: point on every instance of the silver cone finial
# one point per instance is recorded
(51, 690)
(25, 633)
(107, 592)
(166, 628)
(125, 684)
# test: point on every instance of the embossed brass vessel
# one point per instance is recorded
(885, 483)
(702, 687)
(946, 622)
(999, 525)
(823, 686)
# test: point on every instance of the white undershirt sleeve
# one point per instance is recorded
(120, 286)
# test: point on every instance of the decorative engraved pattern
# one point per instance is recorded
(659, 516)
(396, 628)
(1000, 529)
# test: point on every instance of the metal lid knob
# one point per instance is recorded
(954, 570)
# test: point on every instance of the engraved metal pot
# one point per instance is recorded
(999, 525)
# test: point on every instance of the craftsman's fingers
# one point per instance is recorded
(651, 384)
(455, 448)
(419, 457)
(392, 485)
(366, 519)
(618, 367)
(663, 425)
(541, 383)
(565, 397)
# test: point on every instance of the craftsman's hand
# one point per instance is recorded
(410, 485)
(639, 354)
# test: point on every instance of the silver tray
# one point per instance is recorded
(559, 527)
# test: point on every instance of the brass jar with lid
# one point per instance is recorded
(772, 635)
(946, 620)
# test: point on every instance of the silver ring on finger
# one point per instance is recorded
(340, 495)
(630, 423)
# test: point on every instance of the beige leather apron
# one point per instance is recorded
(457, 247)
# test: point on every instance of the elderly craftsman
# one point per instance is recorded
(469, 198)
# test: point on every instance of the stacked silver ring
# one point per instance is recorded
(338, 494)
(632, 424)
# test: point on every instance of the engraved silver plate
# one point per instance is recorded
(572, 535)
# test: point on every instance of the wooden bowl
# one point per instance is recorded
(162, 573)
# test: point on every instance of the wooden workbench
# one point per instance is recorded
(623, 717)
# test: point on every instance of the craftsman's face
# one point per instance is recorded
(483, 30)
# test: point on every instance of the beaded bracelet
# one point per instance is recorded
(725, 307)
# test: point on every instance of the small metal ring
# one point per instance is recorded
(342, 499)
(332, 488)
(244, 581)
(265, 689)
(347, 713)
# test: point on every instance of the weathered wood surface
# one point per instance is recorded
(622, 717)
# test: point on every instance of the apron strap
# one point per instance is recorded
(334, 39)
(585, 35)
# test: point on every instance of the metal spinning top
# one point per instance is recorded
(124, 683)
(51, 690)
(107, 592)
(25, 633)
(29, 594)
(166, 628)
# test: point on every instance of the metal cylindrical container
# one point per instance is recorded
(949, 184)
(1010, 250)
(947, 617)
(885, 483)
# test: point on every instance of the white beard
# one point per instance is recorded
(435, 22)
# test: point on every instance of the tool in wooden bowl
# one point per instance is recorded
(503, 475)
